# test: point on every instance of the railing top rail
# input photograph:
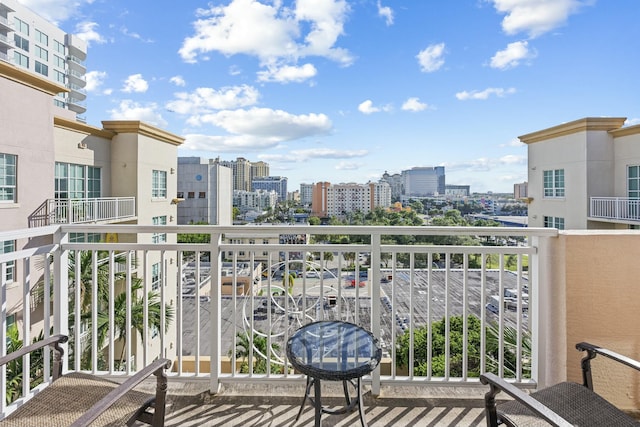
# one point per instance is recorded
(264, 230)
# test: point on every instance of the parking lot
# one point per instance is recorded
(280, 315)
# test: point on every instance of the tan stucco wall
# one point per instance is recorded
(602, 278)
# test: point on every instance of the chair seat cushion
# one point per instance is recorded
(66, 399)
(573, 402)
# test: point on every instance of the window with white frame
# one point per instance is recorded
(8, 178)
(59, 47)
(554, 222)
(159, 184)
(156, 276)
(159, 237)
(553, 183)
(42, 53)
(633, 182)
(10, 273)
(42, 68)
(77, 181)
(20, 26)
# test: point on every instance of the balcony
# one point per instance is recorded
(209, 306)
(93, 210)
(615, 209)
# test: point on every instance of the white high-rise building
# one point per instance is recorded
(29, 41)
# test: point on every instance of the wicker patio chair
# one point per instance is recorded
(78, 399)
(565, 404)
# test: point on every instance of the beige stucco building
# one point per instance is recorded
(55, 169)
(584, 174)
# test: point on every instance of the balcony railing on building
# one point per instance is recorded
(624, 209)
(90, 210)
(224, 311)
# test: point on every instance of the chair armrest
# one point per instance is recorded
(54, 341)
(156, 368)
(592, 351)
(497, 384)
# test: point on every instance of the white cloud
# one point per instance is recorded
(515, 142)
(385, 12)
(178, 81)
(135, 83)
(484, 94)
(95, 79)
(485, 163)
(296, 156)
(430, 59)
(130, 110)
(271, 32)
(367, 107)
(56, 11)
(348, 166)
(536, 17)
(287, 73)
(268, 124)
(87, 31)
(512, 55)
(414, 104)
(206, 100)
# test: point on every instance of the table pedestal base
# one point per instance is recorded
(317, 401)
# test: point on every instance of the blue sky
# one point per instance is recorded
(342, 91)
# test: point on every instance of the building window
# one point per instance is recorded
(42, 53)
(58, 47)
(21, 26)
(60, 77)
(6, 247)
(42, 38)
(42, 69)
(159, 184)
(93, 182)
(202, 195)
(553, 183)
(554, 222)
(8, 178)
(21, 42)
(59, 62)
(58, 103)
(191, 194)
(180, 195)
(156, 276)
(20, 59)
(159, 237)
(77, 181)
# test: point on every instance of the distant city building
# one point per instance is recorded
(342, 199)
(206, 189)
(32, 43)
(259, 200)
(520, 190)
(271, 183)
(457, 190)
(424, 181)
(259, 169)
(294, 196)
(241, 173)
(306, 194)
(396, 182)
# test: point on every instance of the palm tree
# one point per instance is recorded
(243, 348)
(137, 316)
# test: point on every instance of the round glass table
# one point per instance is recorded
(333, 351)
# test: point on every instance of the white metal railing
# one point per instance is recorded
(615, 208)
(214, 306)
(72, 211)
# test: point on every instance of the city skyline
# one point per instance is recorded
(330, 90)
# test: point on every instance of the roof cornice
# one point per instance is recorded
(76, 126)
(581, 125)
(626, 131)
(141, 128)
(32, 80)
